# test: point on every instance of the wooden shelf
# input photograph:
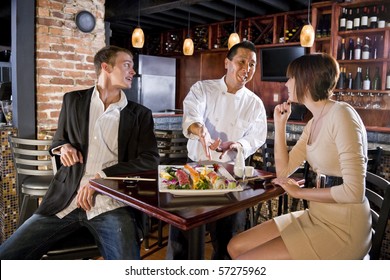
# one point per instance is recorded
(266, 31)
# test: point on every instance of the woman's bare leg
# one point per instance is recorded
(260, 242)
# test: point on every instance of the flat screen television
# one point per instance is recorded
(274, 61)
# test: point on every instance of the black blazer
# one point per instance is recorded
(137, 146)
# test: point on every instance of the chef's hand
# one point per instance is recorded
(70, 155)
(205, 139)
(227, 146)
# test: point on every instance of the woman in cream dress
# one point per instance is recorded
(337, 224)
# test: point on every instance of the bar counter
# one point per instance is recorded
(377, 136)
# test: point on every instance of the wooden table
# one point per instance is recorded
(187, 213)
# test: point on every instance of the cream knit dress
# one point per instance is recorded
(339, 230)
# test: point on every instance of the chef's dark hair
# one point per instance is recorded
(244, 44)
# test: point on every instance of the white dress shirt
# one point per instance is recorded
(102, 151)
(239, 117)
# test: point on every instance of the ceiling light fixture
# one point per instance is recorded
(307, 32)
(138, 37)
(188, 45)
(234, 38)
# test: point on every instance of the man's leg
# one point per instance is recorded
(177, 248)
(119, 233)
(35, 236)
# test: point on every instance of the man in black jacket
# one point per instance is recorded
(100, 133)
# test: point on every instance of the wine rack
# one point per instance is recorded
(322, 21)
(173, 42)
(153, 44)
(261, 31)
(293, 26)
(372, 104)
(225, 29)
(201, 38)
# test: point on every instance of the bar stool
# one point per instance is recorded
(378, 195)
(34, 172)
(35, 168)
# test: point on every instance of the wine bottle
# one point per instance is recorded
(367, 80)
(374, 48)
(374, 17)
(356, 19)
(376, 81)
(364, 19)
(380, 47)
(351, 49)
(326, 26)
(388, 79)
(343, 20)
(366, 51)
(358, 81)
(341, 83)
(358, 49)
(349, 25)
(342, 50)
(382, 16)
(349, 81)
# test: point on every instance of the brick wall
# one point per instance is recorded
(64, 54)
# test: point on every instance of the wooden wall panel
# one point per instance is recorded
(213, 65)
(187, 72)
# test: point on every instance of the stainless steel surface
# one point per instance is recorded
(155, 83)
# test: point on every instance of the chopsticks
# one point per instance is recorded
(264, 177)
(129, 178)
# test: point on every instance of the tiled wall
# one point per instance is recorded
(9, 202)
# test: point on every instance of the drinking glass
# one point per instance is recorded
(6, 105)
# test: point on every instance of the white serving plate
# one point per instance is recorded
(162, 187)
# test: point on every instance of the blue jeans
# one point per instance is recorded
(220, 231)
(116, 232)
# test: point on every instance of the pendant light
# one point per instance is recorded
(138, 37)
(307, 32)
(188, 45)
(234, 38)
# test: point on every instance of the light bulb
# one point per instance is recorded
(233, 39)
(138, 38)
(188, 46)
(307, 36)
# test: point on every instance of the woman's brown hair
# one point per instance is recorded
(316, 74)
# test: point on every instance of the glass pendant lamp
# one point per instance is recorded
(307, 32)
(138, 37)
(188, 45)
(234, 38)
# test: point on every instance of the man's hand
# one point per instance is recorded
(227, 146)
(204, 138)
(86, 196)
(70, 156)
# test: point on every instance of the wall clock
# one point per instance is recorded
(85, 21)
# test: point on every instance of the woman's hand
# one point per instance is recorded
(282, 112)
(289, 185)
(70, 156)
